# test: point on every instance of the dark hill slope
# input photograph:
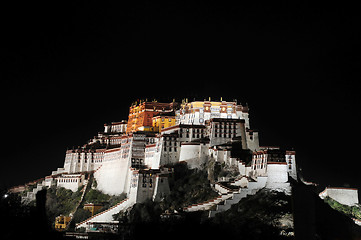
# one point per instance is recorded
(315, 219)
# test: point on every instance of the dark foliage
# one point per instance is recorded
(255, 217)
(315, 219)
(188, 186)
(24, 222)
(60, 201)
(80, 215)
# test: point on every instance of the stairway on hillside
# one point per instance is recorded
(227, 196)
(107, 215)
(30, 196)
(224, 192)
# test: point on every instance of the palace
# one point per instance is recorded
(135, 156)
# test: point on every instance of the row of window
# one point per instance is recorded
(225, 125)
(170, 149)
(225, 135)
(62, 180)
(225, 130)
(145, 185)
(193, 135)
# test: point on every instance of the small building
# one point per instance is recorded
(92, 207)
(61, 222)
(71, 181)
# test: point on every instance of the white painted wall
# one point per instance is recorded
(161, 189)
(190, 154)
(277, 172)
(112, 177)
(346, 196)
(252, 141)
(195, 154)
(70, 181)
(291, 161)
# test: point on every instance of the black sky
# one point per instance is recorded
(70, 66)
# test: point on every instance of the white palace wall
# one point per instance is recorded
(277, 172)
(346, 196)
(112, 175)
(195, 154)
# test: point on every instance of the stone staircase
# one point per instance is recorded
(30, 196)
(224, 194)
(107, 215)
(207, 205)
(227, 196)
(252, 188)
(235, 198)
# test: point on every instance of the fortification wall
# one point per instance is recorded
(194, 154)
(161, 189)
(346, 196)
(277, 172)
(113, 176)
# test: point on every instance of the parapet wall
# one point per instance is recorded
(346, 196)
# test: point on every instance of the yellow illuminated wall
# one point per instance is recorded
(61, 222)
(160, 122)
(92, 208)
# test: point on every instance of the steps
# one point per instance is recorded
(228, 196)
(30, 196)
(207, 205)
(107, 215)
(236, 197)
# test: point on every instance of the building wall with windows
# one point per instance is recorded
(70, 181)
(160, 122)
(140, 115)
(148, 184)
(116, 127)
(198, 112)
(259, 163)
(221, 131)
(83, 160)
(291, 162)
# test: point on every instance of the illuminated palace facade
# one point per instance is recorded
(135, 156)
(159, 134)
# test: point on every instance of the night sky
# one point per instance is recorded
(68, 67)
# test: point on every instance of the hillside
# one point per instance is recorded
(316, 219)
